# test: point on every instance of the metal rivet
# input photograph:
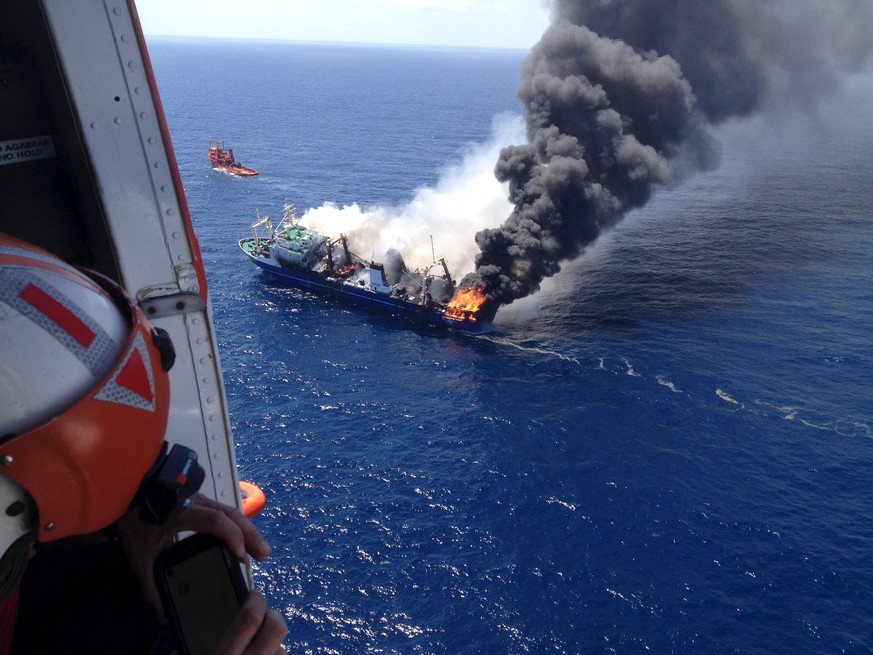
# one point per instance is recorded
(50, 526)
(6, 460)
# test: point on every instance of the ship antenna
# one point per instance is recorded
(432, 251)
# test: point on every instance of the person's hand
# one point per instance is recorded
(225, 522)
(256, 629)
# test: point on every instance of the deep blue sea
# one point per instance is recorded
(667, 450)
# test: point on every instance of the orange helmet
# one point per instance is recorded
(84, 397)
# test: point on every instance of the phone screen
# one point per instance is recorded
(203, 598)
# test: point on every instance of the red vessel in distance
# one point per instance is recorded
(223, 160)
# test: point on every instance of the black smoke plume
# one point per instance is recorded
(620, 97)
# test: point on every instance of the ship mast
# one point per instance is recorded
(446, 269)
(262, 221)
(289, 214)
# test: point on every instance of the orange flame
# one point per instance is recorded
(466, 303)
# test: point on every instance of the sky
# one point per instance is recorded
(459, 23)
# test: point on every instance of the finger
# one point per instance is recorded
(253, 541)
(201, 518)
(245, 626)
(271, 633)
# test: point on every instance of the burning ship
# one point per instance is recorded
(311, 261)
(223, 160)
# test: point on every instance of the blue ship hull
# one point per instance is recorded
(311, 281)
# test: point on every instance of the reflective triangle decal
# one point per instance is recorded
(132, 383)
(134, 377)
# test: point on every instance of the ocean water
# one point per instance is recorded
(669, 449)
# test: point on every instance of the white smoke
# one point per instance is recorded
(466, 199)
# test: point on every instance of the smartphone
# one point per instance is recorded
(202, 588)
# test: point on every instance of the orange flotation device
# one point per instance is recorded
(253, 499)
